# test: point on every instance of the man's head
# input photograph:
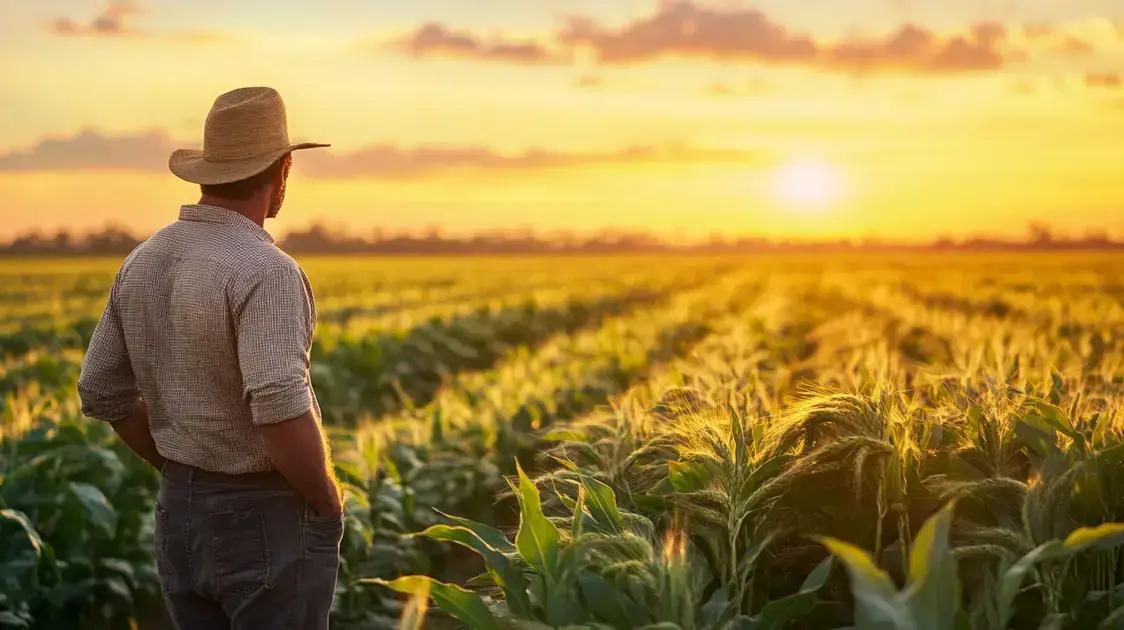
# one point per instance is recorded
(246, 151)
(265, 189)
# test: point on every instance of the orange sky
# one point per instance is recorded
(891, 118)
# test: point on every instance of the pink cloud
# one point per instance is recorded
(435, 38)
(90, 150)
(685, 29)
(112, 21)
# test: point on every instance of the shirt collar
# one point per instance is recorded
(214, 214)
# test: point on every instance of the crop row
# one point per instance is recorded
(716, 502)
(452, 453)
(76, 509)
(374, 374)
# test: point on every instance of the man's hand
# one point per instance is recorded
(136, 434)
(298, 450)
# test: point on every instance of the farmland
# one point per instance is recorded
(808, 441)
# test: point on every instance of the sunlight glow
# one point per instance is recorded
(807, 184)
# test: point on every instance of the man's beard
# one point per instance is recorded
(275, 203)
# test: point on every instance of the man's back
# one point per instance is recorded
(181, 299)
(200, 362)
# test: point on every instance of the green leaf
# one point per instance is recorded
(1013, 371)
(602, 504)
(765, 471)
(457, 602)
(119, 566)
(413, 613)
(537, 538)
(9, 619)
(1104, 536)
(778, 613)
(1013, 577)
(21, 521)
(1113, 620)
(578, 514)
(687, 476)
(1046, 414)
(437, 426)
(500, 568)
(487, 533)
(1041, 438)
(877, 605)
(610, 604)
(563, 435)
(737, 430)
(97, 507)
(934, 586)
(568, 464)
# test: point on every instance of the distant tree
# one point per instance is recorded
(1040, 233)
(319, 238)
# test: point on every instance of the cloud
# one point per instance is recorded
(435, 38)
(114, 21)
(1076, 38)
(1074, 45)
(1103, 80)
(723, 89)
(589, 81)
(391, 161)
(684, 29)
(90, 150)
(110, 22)
(917, 49)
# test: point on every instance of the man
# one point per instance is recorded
(200, 362)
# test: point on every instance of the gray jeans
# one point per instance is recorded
(243, 551)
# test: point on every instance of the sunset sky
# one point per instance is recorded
(814, 118)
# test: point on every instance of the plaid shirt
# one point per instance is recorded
(211, 325)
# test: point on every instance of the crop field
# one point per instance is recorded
(886, 441)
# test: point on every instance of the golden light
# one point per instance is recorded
(807, 184)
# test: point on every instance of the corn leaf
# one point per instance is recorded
(602, 503)
(687, 476)
(579, 514)
(413, 613)
(24, 524)
(779, 613)
(457, 602)
(608, 603)
(1113, 620)
(1104, 536)
(502, 571)
(934, 586)
(537, 538)
(877, 603)
(487, 533)
(96, 506)
(1013, 577)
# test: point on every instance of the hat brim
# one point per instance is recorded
(190, 165)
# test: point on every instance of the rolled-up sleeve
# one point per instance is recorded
(106, 385)
(275, 325)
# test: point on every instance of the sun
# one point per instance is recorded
(804, 184)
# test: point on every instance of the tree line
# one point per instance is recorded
(318, 239)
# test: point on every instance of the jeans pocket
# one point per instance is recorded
(160, 540)
(241, 550)
(322, 533)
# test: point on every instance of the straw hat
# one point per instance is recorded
(246, 131)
